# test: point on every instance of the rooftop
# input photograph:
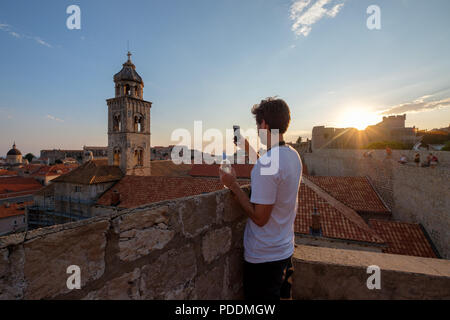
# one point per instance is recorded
(13, 209)
(92, 172)
(169, 169)
(212, 170)
(337, 220)
(11, 185)
(403, 238)
(355, 192)
(136, 191)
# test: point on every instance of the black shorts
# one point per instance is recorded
(267, 281)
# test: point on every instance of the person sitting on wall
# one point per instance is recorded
(417, 159)
(272, 207)
(403, 159)
(368, 154)
(388, 152)
(434, 161)
(427, 162)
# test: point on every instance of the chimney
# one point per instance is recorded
(115, 198)
(315, 226)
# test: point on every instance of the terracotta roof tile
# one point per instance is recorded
(169, 169)
(212, 170)
(54, 170)
(340, 223)
(355, 192)
(403, 238)
(7, 173)
(140, 190)
(13, 185)
(92, 172)
(14, 209)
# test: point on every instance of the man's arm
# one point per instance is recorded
(258, 213)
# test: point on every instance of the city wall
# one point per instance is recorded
(190, 248)
(338, 274)
(414, 194)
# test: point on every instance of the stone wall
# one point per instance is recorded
(324, 273)
(414, 194)
(188, 248)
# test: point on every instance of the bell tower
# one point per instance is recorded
(129, 123)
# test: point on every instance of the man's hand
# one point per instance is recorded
(228, 180)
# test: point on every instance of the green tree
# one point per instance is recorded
(446, 147)
(29, 157)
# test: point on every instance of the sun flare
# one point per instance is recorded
(358, 117)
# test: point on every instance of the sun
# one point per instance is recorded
(358, 117)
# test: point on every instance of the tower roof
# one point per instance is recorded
(14, 151)
(128, 72)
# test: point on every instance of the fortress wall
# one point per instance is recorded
(188, 248)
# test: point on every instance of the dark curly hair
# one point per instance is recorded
(275, 113)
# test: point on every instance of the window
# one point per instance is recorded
(138, 123)
(117, 125)
(139, 157)
(77, 188)
(116, 159)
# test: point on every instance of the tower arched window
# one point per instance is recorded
(116, 159)
(138, 123)
(139, 157)
(117, 123)
(127, 90)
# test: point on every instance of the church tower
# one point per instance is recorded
(129, 123)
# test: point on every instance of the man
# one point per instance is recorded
(269, 233)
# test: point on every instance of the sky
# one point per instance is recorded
(213, 60)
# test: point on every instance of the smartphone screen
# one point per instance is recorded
(236, 130)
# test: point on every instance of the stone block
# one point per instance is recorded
(125, 287)
(48, 257)
(210, 285)
(173, 269)
(134, 244)
(232, 209)
(141, 219)
(197, 214)
(12, 282)
(215, 243)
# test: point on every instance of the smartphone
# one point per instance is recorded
(237, 133)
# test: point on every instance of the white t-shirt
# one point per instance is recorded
(275, 240)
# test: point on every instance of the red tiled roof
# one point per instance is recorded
(7, 173)
(140, 190)
(14, 209)
(12, 185)
(30, 168)
(169, 169)
(92, 172)
(54, 170)
(403, 238)
(337, 220)
(212, 170)
(355, 192)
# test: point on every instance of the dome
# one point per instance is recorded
(128, 72)
(14, 151)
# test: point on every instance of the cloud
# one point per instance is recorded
(8, 28)
(419, 105)
(305, 17)
(42, 42)
(15, 34)
(54, 118)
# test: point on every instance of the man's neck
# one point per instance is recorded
(271, 143)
